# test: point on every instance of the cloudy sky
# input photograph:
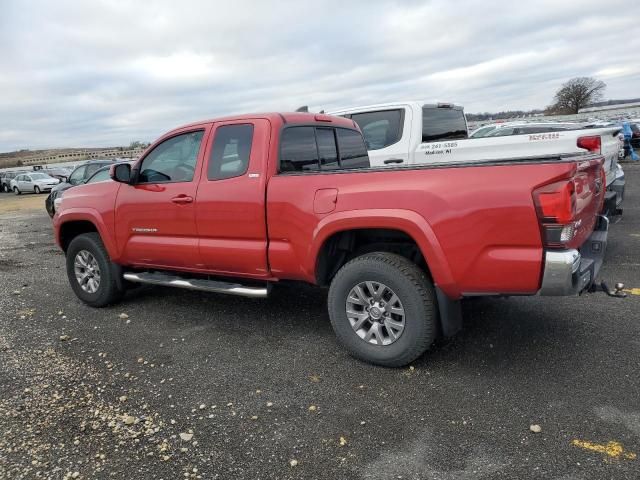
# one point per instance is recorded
(100, 73)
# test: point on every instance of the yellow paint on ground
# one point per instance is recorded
(611, 449)
(632, 291)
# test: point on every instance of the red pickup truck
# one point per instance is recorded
(234, 205)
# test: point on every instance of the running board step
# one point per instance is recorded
(197, 284)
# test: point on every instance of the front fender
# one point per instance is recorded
(75, 214)
(406, 221)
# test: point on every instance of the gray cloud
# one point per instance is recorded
(108, 72)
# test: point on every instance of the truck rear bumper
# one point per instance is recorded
(618, 186)
(570, 272)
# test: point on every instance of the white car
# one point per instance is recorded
(33, 183)
(519, 128)
(410, 133)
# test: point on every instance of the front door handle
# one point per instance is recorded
(182, 199)
(393, 160)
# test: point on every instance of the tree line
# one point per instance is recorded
(577, 93)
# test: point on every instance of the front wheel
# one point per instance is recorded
(90, 271)
(36, 189)
(383, 309)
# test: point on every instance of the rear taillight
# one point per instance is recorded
(556, 202)
(591, 143)
(556, 208)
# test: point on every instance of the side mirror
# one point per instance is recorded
(120, 173)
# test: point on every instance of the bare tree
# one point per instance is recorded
(577, 93)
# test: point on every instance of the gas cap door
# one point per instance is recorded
(325, 200)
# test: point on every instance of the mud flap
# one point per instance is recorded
(450, 314)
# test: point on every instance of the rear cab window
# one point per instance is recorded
(353, 152)
(443, 123)
(327, 148)
(313, 149)
(298, 152)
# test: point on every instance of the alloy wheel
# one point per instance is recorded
(375, 313)
(87, 271)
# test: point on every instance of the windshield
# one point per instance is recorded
(440, 123)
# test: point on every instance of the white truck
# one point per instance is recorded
(413, 132)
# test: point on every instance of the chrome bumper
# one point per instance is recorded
(570, 272)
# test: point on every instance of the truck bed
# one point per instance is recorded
(475, 222)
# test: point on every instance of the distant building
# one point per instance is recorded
(41, 157)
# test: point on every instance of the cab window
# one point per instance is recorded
(443, 123)
(380, 129)
(100, 176)
(298, 150)
(353, 152)
(173, 160)
(92, 168)
(327, 150)
(230, 153)
(311, 149)
(77, 176)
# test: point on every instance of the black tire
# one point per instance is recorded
(414, 290)
(16, 190)
(36, 189)
(108, 291)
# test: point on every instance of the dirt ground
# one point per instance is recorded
(173, 384)
(21, 203)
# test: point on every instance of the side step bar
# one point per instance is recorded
(167, 280)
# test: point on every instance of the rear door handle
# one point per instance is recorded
(181, 199)
(393, 160)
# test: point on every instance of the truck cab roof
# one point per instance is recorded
(276, 117)
(413, 104)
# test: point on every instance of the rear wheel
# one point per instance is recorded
(90, 271)
(16, 190)
(383, 309)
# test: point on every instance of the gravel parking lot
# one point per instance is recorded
(178, 384)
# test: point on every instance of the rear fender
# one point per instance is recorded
(407, 221)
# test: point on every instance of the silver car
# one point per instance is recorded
(33, 182)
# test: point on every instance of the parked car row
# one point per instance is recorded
(237, 204)
(520, 128)
(78, 176)
(29, 182)
(6, 177)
